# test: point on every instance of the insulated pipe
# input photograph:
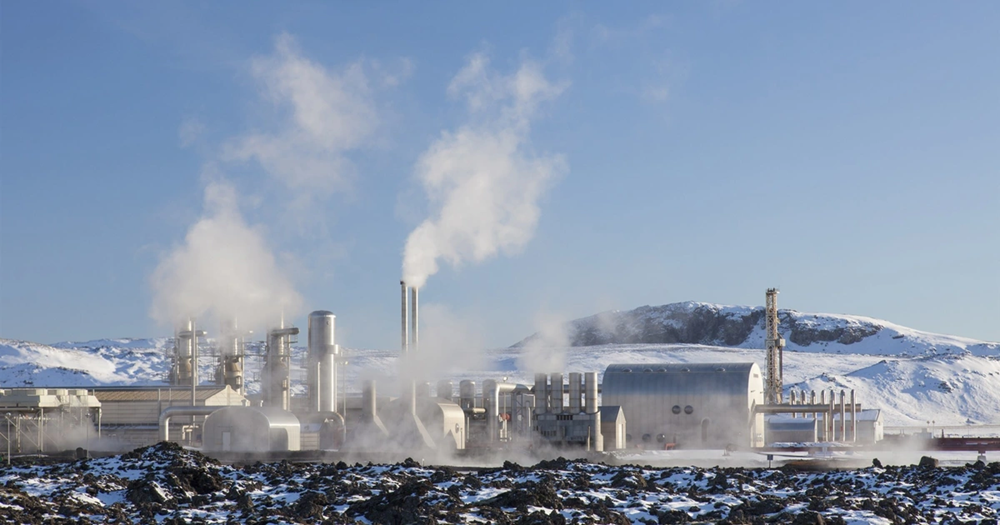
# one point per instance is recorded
(405, 319)
(556, 394)
(843, 416)
(575, 392)
(491, 402)
(854, 418)
(590, 393)
(595, 437)
(541, 393)
(833, 409)
(170, 412)
(792, 401)
(369, 409)
(414, 320)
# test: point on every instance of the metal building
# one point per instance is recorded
(251, 429)
(689, 405)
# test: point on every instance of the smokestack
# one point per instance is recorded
(414, 320)
(405, 318)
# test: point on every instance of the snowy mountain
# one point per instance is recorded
(743, 327)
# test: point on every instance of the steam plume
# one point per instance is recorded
(482, 181)
(332, 112)
(223, 269)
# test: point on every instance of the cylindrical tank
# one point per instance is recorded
(556, 393)
(321, 362)
(446, 389)
(541, 393)
(590, 394)
(575, 392)
(467, 394)
(596, 438)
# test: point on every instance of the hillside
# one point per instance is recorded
(743, 327)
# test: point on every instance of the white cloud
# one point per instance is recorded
(329, 113)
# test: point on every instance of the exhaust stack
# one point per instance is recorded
(411, 429)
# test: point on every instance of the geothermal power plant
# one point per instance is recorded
(728, 406)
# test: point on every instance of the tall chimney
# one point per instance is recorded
(414, 320)
(405, 319)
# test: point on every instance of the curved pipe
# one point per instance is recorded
(341, 429)
(491, 399)
(180, 411)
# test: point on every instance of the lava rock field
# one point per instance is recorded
(167, 484)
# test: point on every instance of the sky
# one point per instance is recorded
(530, 162)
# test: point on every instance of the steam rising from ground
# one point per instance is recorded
(483, 181)
(224, 268)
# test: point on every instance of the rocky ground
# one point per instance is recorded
(166, 484)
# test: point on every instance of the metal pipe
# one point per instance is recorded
(414, 320)
(854, 418)
(169, 412)
(590, 395)
(369, 408)
(843, 416)
(556, 393)
(405, 319)
(575, 392)
(491, 402)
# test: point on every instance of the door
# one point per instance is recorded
(226, 436)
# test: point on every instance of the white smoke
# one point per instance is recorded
(449, 343)
(223, 269)
(331, 113)
(482, 181)
(545, 352)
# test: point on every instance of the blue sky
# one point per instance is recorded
(688, 151)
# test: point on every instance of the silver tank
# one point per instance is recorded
(321, 378)
(556, 394)
(575, 392)
(692, 405)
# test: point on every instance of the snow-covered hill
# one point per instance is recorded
(743, 327)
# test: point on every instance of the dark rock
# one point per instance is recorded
(809, 518)
(928, 462)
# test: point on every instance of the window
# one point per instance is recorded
(688, 409)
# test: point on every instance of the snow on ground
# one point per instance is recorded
(164, 483)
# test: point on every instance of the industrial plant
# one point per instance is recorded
(643, 406)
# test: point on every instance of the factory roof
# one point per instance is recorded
(610, 413)
(155, 393)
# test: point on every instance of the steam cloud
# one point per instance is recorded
(223, 269)
(331, 113)
(225, 266)
(482, 181)
(545, 351)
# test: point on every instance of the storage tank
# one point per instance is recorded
(691, 405)
(251, 429)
